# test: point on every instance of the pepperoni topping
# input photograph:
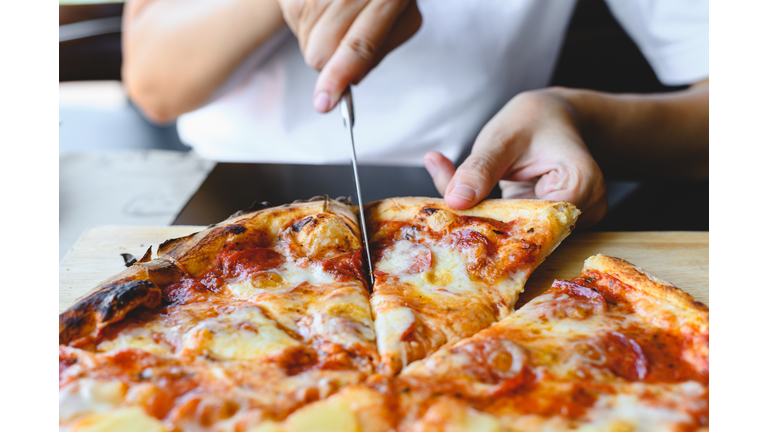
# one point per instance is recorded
(494, 360)
(420, 259)
(248, 262)
(188, 290)
(578, 302)
(624, 357)
(470, 239)
(345, 267)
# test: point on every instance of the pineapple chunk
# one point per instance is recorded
(324, 416)
(267, 426)
(477, 421)
(131, 419)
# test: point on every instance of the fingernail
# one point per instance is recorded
(464, 191)
(431, 168)
(322, 102)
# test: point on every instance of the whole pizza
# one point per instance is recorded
(267, 322)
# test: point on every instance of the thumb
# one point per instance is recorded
(475, 178)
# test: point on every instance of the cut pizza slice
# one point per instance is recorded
(614, 349)
(246, 320)
(443, 274)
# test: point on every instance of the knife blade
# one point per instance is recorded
(348, 116)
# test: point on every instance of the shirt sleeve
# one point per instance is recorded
(672, 35)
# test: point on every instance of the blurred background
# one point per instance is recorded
(116, 168)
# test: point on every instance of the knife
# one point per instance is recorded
(348, 115)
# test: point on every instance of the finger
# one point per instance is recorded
(325, 34)
(518, 189)
(356, 51)
(407, 24)
(291, 11)
(583, 188)
(440, 168)
(491, 157)
(310, 12)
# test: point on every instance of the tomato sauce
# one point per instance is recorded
(346, 267)
(647, 354)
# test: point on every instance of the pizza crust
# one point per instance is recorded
(195, 252)
(142, 283)
(560, 216)
(636, 277)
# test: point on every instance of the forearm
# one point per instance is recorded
(176, 53)
(645, 136)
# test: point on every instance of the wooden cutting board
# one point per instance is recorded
(678, 257)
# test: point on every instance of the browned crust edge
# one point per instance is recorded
(142, 283)
(193, 252)
(561, 216)
(638, 278)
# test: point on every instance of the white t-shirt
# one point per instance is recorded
(436, 91)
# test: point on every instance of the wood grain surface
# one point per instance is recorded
(681, 258)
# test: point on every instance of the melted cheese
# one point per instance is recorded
(630, 411)
(341, 319)
(288, 275)
(390, 326)
(448, 273)
(140, 337)
(244, 334)
(89, 396)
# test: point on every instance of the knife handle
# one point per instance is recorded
(347, 110)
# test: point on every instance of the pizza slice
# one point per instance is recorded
(443, 274)
(614, 349)
(246, 320)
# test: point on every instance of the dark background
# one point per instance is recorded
(596, 54)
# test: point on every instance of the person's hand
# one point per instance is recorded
(533, 148)
(345, 39)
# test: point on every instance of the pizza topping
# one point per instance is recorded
(346, 267)
(614, 291)
(245, 334)
(119, 420)
(569, 300)
(438, 220)
(246, 263)
(321, 236)
(392, 326)
(624, 357)
(490, 360)
(405, 258)
(88, 396)
(188, 290)
(144, 338)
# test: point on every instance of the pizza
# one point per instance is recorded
(246, 320)
(265, 322)
(444, 274)
(615, 349)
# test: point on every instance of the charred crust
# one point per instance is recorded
(428, 211)
(147, 256)
(105, 306)
(298, 226)
(164, 245)
(256, 206)
(235, 229)
(116, 299)
(162, 272)
(313, 199)
(128, 259)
